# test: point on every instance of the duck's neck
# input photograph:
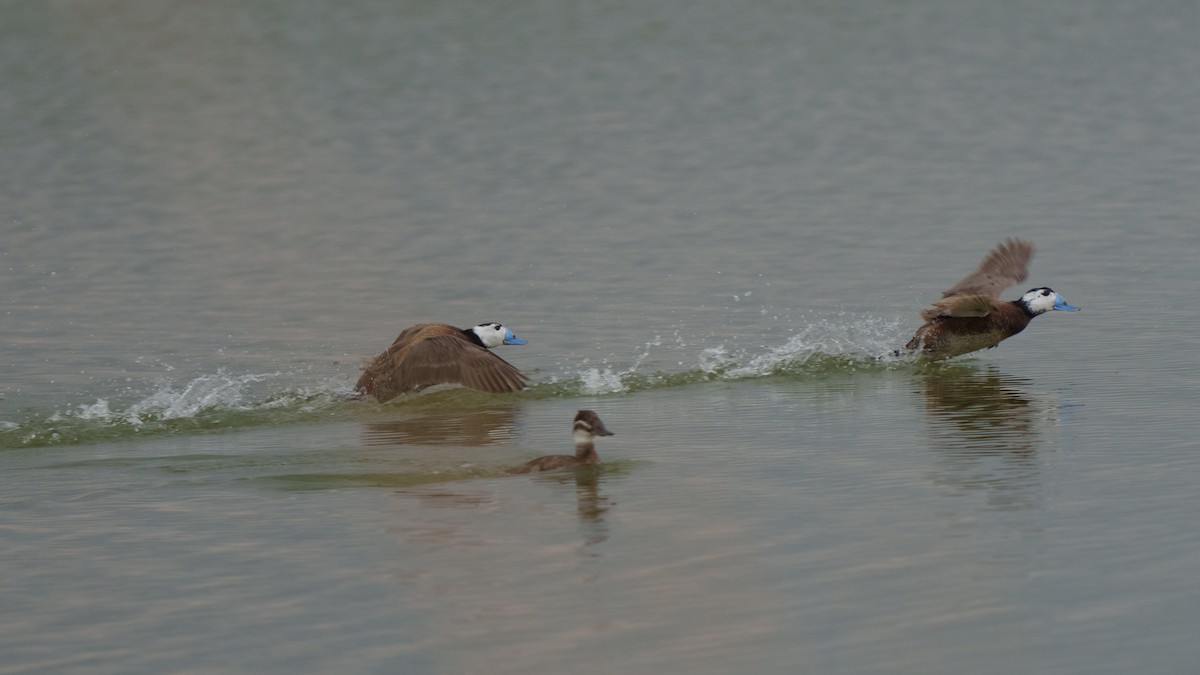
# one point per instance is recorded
(472, 336)
(585, 449)
(1024, 308)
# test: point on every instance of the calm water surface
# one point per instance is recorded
(712, 224)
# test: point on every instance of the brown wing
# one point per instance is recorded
(481, 369)
(1006, 265)
(432, 353)
(378, 378)
(409, 334)
(960, 306)
(451, 359)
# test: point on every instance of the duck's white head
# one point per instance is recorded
(1041, 300)
(493, 334)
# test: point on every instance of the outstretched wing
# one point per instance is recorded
(960, 306)
(450, 359)
(1006, 265)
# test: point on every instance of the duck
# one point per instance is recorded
(971, 316)
(588, 425)
(437, 353)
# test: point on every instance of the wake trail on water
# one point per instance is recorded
(226, 401)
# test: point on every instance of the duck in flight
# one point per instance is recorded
(971, 316)
(436, 353)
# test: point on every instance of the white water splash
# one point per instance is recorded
(853, 338)
(168, 402)
(96, 411)
(596, 381)
(716, 360)
(868, 339)
(206, 399)
(864, 339)
(206, 391)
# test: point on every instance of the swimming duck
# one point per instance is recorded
(436, 353)
(971, 316)
(587, 426)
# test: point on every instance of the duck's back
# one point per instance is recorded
(550, 463)
(423, 331)
(434, 353)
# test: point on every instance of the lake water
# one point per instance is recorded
(712, 223)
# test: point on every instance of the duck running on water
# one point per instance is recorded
(971, 316)
(437, 353)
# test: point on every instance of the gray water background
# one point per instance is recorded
(709, 220)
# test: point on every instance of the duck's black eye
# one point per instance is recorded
(1045, 292)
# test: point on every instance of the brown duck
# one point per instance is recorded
(971, 316)
(436, 353)
(587, 426)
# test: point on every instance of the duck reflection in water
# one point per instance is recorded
(591, 504)
(987, 428)
(441, 426)
(586, 473)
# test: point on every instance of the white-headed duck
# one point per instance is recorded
(436, 353)
(971, 316)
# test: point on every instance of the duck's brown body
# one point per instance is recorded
(553, 462)
(944, 337)
(436, 353)
(588, 425)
